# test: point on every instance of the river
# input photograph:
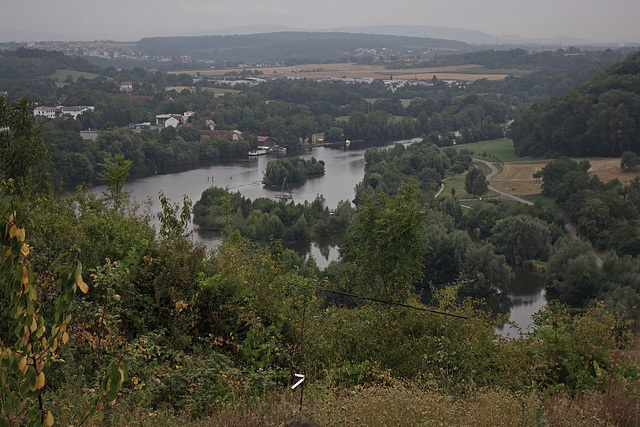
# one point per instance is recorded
(344, 168)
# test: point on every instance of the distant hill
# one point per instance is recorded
(296, 46)
(600, 117)
(475, 37)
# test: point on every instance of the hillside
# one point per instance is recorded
(600, 117)
(24, 63)
(283, 46)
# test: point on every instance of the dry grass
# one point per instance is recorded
(517, 177)
(617, 407)
(351, 70)
(398, 403)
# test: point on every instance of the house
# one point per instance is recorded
(166, 120)
(126, 86)
(53, 112)
(186, 115)
(173, 120)
(91, 134)
(266, 141)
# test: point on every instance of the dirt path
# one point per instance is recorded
(571, 228)
(502, 195)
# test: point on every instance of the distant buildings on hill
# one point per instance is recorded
(53, 112)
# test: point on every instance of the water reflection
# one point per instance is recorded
(524, 297)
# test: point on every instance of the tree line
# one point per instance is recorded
(596, 118)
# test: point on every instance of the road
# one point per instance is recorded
(502, 195)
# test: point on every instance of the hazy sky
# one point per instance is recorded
(599, 20)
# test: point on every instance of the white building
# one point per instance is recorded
(53, 112)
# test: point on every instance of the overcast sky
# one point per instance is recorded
(598, 20)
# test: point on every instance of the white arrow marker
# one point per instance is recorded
(299, 381)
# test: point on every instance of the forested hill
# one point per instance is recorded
(600, 117)
(25, 63)
(283, 46)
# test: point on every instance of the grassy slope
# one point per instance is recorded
(61, 75)
(500, 150)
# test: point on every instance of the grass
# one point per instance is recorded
(500, 150)
(457, 182)
(401, 403)
(61, 75)
(404, 101)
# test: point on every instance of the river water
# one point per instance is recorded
(344, 168)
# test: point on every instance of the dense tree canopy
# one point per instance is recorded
(600, 117)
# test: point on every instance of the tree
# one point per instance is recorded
(386, 244)
(593, 218)
(334, 134)
(521, 238)
(42, 324)
(553, 174)
(475, 182)
(22, 150)
(572, 271)
(451, 207)
(114, 175)
(630, 160)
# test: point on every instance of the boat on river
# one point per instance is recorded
(259, 152)
(285, 194)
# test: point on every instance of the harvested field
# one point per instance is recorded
(517, 177)
(351, 70)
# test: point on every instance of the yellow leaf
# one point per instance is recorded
(34, 323)
(22, 364)
(65, 338)
(83, 286)
(25, 275)
(49, 420)
(25, 249)
(12, 231)
(5, 354)
(25, 337)
(20, 234)
(40, 381)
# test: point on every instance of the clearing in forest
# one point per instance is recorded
(517, 177)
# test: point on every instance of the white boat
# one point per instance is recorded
(254, 153)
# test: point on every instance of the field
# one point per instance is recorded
(217, 91)
(516, 175)
(468, 72)
(497, 150)
(61, 75)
